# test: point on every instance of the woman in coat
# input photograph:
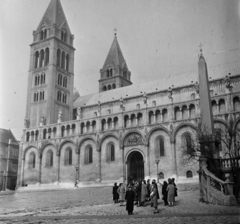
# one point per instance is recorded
(143, 192)
(175, 195)
(154, 198)
(165, 193)
(121, 192)
(115, 193)
(171, 192)
(129, 197)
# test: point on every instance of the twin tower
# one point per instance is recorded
(51, 71)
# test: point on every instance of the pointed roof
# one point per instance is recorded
(54, 15)
(115, 56)
(5, 135)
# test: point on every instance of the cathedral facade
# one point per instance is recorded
(125, 132)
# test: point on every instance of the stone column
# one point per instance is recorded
(218, 109)
(181, 113)
(189, 112)
(123, 165)
(99, 166)
(21, 182)
(39, 168)
(147, 161)
(154, 118)
(78, 164)
(161, 115)
(174, 165)
(112, 124)
(58, 166)
(136, 120)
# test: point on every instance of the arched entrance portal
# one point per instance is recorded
(135, 167)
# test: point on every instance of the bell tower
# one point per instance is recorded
(114, 73)
(51, 70)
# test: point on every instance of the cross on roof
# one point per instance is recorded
(115, 32)
(200, 46)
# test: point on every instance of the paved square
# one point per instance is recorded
(95, 205)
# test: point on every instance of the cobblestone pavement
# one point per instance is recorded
(94, 205)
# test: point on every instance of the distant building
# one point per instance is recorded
(125, 131)
(9, 150)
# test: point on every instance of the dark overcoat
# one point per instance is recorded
(115, 193)
(130, 195)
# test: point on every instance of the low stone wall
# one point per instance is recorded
(188, 187)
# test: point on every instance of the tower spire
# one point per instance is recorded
(114, 73)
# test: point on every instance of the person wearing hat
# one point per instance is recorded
(129, 197)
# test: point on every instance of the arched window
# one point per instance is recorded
(46, 56)
(189, 174)
(104, 88)
(193, 96)
(161, 175)
(110, 152)
(184, 112)
(59, 79)
(64, 35)
(36, 59)
(160, 151)
(49, 159)
(138, 106)
(63, 131)
(125, 73)
(63, 60)
(222, 106)
(218, 141)
(65, 82)
(42, 95)
(59, 96)
(36, 79)
(35, 97)
(88, 155)
(68, 157)
(58, 57)
(177, 113)
(111, 72)
(64, 100)
(67, 62)
(44, 133)
(236, 103)
(214, 107)
(192, 111)
(113, 86)
(43, 78)
(41, 62)
(109, 87)
(32, 160)
(45, 34)
(188, 143)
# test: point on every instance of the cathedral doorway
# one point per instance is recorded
(135, 166)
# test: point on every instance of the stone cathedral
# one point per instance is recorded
(125, 131)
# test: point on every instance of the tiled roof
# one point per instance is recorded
(5, 135)
(115, 56)
(54, 15)
(157, 85)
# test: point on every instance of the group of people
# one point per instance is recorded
(140, 193)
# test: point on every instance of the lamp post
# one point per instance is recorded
(4, 180)
(157, 160)
(76, 178)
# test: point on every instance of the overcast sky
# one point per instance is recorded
(158, 38)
